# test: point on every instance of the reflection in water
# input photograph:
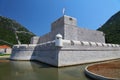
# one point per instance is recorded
(26, 70)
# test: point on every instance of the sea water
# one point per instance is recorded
(31, 70)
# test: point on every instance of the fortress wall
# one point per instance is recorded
(79, 52)
(48, 57)
(90, 35)
(45, 38)
(79, 46)
(70, 21)
(45, 52)
(57, 24)
(70, 32)
(55, 29)
(34, 40)
(67, 27)
(81, 34)
(72, 53)
(69, 57)
(58, 30)
(23, 52)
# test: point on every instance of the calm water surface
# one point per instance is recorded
(26, 70)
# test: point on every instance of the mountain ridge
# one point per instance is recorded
(112, 29)
(9, 28)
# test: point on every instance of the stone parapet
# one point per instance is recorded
(78, 44)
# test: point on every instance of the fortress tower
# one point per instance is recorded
(67, 27)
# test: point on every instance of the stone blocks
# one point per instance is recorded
(72, 53)
(67, 27)
(77, 46)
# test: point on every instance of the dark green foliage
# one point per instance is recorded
(24, 39)
(7, 32)
(112, 29)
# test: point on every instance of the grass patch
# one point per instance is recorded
(4, 54)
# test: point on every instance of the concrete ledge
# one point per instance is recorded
(96, 76)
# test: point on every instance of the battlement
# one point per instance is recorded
(86, 43)
(69, 44)
(71, 52)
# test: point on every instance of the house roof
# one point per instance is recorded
(4, 46)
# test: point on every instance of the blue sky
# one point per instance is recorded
(37, 15)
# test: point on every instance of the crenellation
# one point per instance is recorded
(16, 46)
(104, 45)
(113, 45)
(93, 43)
(117, 45)
(99, 44)
(76, 42)
(85, 43)
(32, 45)
(109, 45)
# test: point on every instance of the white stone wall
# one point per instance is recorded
(23, 52)
(34, 40)
(67, 27)
(81, 34)
(48, 57)
(70, 57)
(72, 52)
(45, 38)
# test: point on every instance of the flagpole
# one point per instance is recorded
(63, 11)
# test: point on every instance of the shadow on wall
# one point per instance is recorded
(46, 53)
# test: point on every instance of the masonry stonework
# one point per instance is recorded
(66, 44)
(67, 27)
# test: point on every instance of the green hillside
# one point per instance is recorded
(112, 29)
(8, 28)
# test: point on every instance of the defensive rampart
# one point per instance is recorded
(71, 53)
(66, 44)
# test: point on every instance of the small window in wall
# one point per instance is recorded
(70, 19)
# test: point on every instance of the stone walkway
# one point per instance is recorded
(109, 69)
(4, 56)
(4, 59)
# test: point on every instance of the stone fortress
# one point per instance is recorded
(67, 27)
(66, 45)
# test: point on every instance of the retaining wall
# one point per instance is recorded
(72, 52)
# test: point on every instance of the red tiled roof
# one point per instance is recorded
(4, 46)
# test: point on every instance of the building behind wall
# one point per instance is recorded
(67, 27)
(5, 49)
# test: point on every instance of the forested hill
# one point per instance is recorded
(9, 29)
(112, 29)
